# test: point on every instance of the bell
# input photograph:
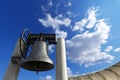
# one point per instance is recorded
(38, 60)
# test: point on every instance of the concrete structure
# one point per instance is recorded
(14, 65)
(111, 73)
(61, 68)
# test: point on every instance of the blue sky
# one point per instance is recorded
(90, 28)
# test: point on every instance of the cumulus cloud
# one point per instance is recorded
(91, 19)
(85, 49)
(80, 25)
(48, 77)
(56, 23)
(117, 50)
(109, 48)
(88, 22)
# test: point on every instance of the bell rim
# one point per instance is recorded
(27, 65)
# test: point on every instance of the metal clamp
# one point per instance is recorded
(15, 59)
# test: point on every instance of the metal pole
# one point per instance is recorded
(61, 66)
(13, 68)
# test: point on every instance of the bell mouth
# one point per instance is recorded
(37, 65)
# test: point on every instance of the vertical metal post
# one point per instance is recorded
(13, 68)
(61, 66)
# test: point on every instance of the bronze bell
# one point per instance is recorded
(38, 60)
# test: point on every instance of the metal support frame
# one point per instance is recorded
(20, 50)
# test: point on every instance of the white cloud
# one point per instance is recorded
(79, 25)
(89, 21)
(68, 4)
(117, 50)
(48, 77)
(43, 8)
(69, 13)
(69, 72)
(50, 3)
(56, 23)
(109, 48)
(85, 49)
(57, 8)
(51, 48)
(60, 33)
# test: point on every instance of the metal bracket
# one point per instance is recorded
(49, 38)
(15, 59)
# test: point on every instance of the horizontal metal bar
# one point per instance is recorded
(50, 38)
